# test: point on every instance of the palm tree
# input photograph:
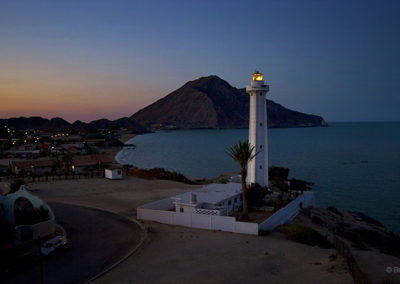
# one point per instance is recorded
(242, 153)
(68, 162)
(55, 165)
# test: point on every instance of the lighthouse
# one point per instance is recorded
(257, 168)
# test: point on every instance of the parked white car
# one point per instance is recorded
(53, 245)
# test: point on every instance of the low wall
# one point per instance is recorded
(158, 211)
(208, 222)
(288, 212)
(358, 275)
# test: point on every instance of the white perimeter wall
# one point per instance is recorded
(157, 211)
(193, 220)
(288, 212)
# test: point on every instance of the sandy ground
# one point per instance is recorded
(383, 267)
(184, 255)
(119, 196)
(173, 253)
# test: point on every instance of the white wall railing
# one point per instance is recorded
(207, 212)
(288, 212)
(201, 221)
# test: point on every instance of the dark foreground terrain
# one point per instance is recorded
(97, 239)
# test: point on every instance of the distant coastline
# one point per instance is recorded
(113, 151)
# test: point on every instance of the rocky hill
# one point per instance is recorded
(210, 102)
(56, 123)
(22, 123)
(59, 124)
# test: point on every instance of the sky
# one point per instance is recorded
(97, 59)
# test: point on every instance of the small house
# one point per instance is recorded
(113, 173)
(212, 199)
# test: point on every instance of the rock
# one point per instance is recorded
(210, 102)
(362, 231)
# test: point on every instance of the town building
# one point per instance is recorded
(80, 164)
(26, 150)
(31, 166)
(83, 163)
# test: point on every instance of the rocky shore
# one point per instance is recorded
(372, 252)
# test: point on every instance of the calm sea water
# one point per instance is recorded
(355, 166)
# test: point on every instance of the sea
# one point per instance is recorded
(354, 166)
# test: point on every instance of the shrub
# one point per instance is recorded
(15, 186)
(31, 216)
(306, 235)
(299, 185)
(393, 244)
(7, 231)
(167, 175)
(357, 244)
(281, 185)
(278, 173)
(333, 209)
(255, 195)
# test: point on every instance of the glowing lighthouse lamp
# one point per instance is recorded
(257, 168)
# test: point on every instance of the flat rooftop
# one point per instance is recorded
(211, 193)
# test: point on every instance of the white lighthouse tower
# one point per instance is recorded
(257, 168)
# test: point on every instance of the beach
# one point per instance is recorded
(113, 151)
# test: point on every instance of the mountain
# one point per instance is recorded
(128, 123)
(59, 124)
(56, 124)
(101, 123)
(82, 127)
(210, 102)
(33, 122)
(279, 116)
(124, 122)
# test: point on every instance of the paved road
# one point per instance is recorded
(97, 239)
